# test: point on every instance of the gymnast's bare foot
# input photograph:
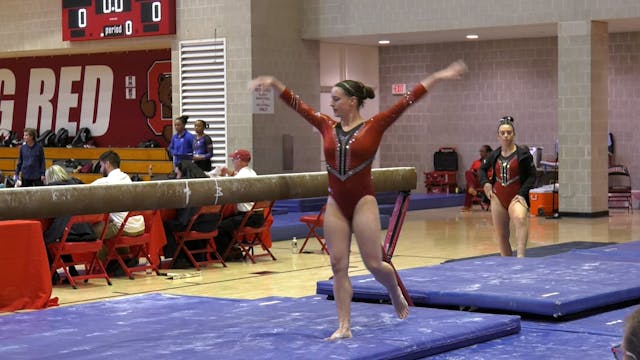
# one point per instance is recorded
(340, 334)
(399, 303)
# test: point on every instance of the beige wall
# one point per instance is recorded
(339, 62)
(279, 51)
(324, 19)
(517, 76)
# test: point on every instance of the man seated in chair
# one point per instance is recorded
(186, 169)
(473, 182)
(240, 160)
(110, 170)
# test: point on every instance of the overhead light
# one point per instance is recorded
(472, 36)
(384, 42)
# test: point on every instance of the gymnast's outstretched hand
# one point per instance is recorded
(264, 82)
(454, 71)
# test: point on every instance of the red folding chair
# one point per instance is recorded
(314, 222)
(183, 237)
(80, 253)
(138, 246)
(247, 238)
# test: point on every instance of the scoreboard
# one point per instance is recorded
(111, 19)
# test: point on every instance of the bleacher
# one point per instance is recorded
(145, 162)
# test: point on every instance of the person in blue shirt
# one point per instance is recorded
(202, 147)
(31, 164)
(181, 146)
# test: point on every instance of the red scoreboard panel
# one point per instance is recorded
(111, 19)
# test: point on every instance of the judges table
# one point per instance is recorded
(25, 281)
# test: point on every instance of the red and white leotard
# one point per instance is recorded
(349, 154)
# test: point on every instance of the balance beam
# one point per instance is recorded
(53, 201)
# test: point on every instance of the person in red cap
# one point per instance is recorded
(350, 145)
(240, 160)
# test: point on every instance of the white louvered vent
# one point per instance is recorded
(203, 90)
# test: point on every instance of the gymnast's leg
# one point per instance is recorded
(337, 232)
(500, 218)
(366, 227)
(518, 213)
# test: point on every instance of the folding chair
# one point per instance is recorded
(138, 246)
(247, 237)
(189, 234)
(620, 195)
(314, 222)
(81, 253)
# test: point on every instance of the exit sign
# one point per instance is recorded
(399, 89)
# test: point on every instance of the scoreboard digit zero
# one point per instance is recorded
(112, 19)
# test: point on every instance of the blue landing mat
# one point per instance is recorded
(548, 286)
(610, 323)
(626, 252)
(585, 339)
(159, 326)
(532, 344)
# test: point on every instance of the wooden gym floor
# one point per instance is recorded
(428, 237)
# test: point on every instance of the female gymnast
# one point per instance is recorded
(350, 145)
(514, 174)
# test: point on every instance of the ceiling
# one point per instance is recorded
(489, 33)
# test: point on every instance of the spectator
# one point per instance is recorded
(205, 222)
(240, 160)
(473, 180)
(630, 347)
(31, 162)
(56, 175)
(110, 169)
(181, 146)
(202, 147)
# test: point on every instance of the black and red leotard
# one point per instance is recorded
(510, 176)
(349, 154)
(507, 183)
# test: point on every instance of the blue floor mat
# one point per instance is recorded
(585, 339)
(610, 323)
(626, 252)
(157, 326)
(536, 344)
(547, 286)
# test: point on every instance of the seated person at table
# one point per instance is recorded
(473, 181)
(56, 175)
(2, 180)
(240, 160)
(206, 222)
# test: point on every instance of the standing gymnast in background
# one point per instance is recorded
(514, 174)
(350, 145)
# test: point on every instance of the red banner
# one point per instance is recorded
(123, 98)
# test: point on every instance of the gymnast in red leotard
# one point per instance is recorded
(349, 154)
(513, 176)
(350, 145)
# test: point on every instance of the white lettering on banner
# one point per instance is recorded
(94, 75)
(42, 86)
(95, 110)
(67, 99)
(7, 87)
